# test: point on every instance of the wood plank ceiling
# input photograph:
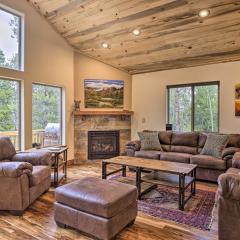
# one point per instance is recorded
(172, 33)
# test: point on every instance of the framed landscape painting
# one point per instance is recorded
(103, 93)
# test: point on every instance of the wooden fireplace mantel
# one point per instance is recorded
(102, 113)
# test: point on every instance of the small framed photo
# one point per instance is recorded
(237, 92)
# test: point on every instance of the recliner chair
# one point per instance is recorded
(24, 176)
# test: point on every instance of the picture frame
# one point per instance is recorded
(100, 93)
(237, 91)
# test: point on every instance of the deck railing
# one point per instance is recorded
(37, 136)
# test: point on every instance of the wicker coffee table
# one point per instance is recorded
(172, 174)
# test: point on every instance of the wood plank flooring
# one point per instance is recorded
(38, 223)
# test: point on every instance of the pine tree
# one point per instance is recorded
(2, 58)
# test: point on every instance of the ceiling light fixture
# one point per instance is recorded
(105, 45)
(204, 13)
(136, 32)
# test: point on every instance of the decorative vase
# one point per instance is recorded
(77, 105)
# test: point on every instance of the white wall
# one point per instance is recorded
(88, 68)
(149, 94)
(48, 60)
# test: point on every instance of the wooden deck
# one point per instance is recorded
(38, 223)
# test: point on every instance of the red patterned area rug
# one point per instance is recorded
(162, 202)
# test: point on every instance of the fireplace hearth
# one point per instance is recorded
(103, 144)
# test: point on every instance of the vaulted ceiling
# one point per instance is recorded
(172, 33)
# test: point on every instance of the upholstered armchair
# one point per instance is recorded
(228, 202)
(24, 176)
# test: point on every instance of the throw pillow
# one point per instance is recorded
(214, 145)
(150, 141)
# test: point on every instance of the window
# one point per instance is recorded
(194, 107)
(46, 115)
(10, 110)
(10, 39)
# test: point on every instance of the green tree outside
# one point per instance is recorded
(205, 108)
(9, 104)
(46, 106)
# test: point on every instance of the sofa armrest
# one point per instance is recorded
(15, 169)
(131, 147)
(229, 152)
(35, 158)
(236, 160)
(135, 145)
(229, 186)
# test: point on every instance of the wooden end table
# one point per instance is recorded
(56, 176)
(56, 151)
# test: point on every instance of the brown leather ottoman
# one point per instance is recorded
(97, 207)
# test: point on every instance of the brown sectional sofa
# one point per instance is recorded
(186, 148)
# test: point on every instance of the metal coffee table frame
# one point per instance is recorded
(184, 181)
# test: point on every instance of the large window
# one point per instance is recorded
(194, 107)
(46, 115)
(10, 110)
(10, 39)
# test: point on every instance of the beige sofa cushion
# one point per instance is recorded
(214, 145)
(150, 141)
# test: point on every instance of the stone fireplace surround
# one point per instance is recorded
(84, 121)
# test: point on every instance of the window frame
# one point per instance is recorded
(19, 109)
(193, 85)
(61, 108)
(21, 35)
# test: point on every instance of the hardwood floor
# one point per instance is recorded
(38, 223)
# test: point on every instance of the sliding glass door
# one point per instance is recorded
(194, 107)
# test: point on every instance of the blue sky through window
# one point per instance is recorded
(8, 43)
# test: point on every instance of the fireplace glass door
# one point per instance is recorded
(103, 144)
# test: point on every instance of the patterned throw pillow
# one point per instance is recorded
(150, 141)
(214, 145)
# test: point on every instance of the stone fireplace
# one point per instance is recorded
(103, 144)
(90, 125)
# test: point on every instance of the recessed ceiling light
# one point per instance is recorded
(204, 13)
(105, 45)
(136, 32)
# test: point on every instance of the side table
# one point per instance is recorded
(57, 152)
